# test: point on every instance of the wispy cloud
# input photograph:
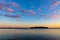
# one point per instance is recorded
(12, 16)
(54, 5)
(15, 5)
(9, 10)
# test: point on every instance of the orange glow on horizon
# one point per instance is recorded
(50, 25)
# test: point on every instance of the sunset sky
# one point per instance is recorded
(26, 13)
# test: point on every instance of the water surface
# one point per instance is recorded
(29, 34)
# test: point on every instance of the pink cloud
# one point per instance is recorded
(51, 8)
(10, 10)
(54, 5)
(8, 15)
(50, 16)
(58, 16)
(29, 11)
(12, 16)
(4, 4)
(58, 11)
(24, 11)
(33, 13)
(17, 16)
(15, 5)
(54, 15)
(1, 7)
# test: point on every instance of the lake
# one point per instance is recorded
(29, 34)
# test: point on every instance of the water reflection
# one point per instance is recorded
(29, 34)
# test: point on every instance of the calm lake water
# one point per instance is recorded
(29, 34)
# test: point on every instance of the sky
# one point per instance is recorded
(27, 13)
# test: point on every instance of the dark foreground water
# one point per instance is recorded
(29, 34)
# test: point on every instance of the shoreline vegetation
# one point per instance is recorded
(38, 27)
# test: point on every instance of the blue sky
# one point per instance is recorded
(30, 12)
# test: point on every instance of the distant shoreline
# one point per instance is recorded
(24, 28)
(37, 27)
